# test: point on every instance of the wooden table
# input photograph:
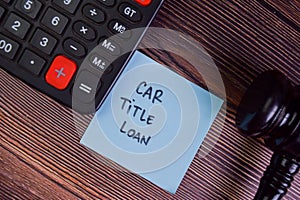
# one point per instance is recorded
(40, 154)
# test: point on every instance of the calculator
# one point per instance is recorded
(72, 50)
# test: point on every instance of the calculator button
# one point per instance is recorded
(8, 47)
(17, 26)
(43, 41)
(94, 13)
(130, 12)
(68, 5)
(86, 86)
(61, 72)
(55, 21)
(74, 48)
(98, 62)
(144, 2)
(32, 62)
(84, 30)
(1, 12)
(7, 1)
(120, 28)
(110, 46)
(108, 3)
(30, 8)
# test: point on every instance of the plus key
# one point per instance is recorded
(61, 72)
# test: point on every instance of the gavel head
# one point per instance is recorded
(270, 109)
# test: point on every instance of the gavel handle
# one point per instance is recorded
(278, 177)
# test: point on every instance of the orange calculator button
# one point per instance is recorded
(61, 72)
(144, 2)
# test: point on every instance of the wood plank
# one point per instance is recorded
(242, 38)
(19, 181)
(55, 150)
(286, 10)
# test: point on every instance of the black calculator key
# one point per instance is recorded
(68, 5)
(17, 26)
(7, 1)
(32, 62)
(74, 48)
(110, 46)
(8, 47)
(86, 86)
(55, 21)
(108, 3)
(30, 8)
(94, 13)
(43, 41)
(1, 12)
(98, 62)
(130, 12)
(119, 28)
(84, 30)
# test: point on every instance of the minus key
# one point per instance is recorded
(74, 48)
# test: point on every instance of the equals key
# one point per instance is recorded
(74, 48)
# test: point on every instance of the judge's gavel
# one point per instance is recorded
(270, 109)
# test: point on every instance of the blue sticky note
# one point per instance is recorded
(152, 122)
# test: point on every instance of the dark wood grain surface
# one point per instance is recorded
(40, 154)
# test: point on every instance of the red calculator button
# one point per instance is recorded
(61, 72)
(144, 2)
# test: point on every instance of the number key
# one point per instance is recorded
(29, 7)
(55, 21)
(8, 47)
(43, 41)
(68, 5)
(17, 26)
